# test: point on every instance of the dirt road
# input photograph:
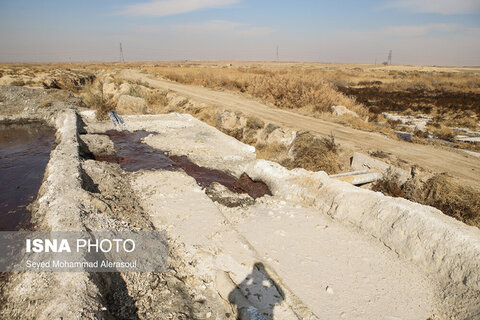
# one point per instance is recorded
(437, 159)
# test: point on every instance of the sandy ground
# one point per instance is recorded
(437, 159)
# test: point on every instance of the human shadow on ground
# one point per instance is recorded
(256, 296)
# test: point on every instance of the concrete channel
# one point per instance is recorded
(317, 248)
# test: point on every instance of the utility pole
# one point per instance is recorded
(278, 59)
(390, 57)
(122, 59)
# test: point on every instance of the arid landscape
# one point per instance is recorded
(347, 189)
(240, 160)
(436, 110)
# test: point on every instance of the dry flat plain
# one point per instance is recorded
(248, 168)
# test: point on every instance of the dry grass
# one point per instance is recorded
(442, 132)
(309, 87)
(312, 89)
(94, 98)
(389, 185)
(315, 154)
(142, 83)
(17, 83)
(440, 191)
(156, 98)
(392, 78)
(255, 123)
(450, 197)
(360, 124)
(464, 121)
(135, 92)
(432, 80)
(100, 104)
(468, 146)
(206, 115)
(273, 151)
(292, 90)
(238, 75)
(182, 103)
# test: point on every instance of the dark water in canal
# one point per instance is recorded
(24, 154)
(133, 155)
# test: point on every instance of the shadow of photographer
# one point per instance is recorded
(256, 296)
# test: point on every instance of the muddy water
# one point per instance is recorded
(133, 155)
(205, 176)
(24, 154)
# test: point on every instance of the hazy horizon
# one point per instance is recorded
(421, 32)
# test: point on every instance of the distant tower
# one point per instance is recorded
(390, 57)
(278, 59)
(122, 59)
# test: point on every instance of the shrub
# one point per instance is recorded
(95, 99)
(314, 153)
(444, 193)
(440, 191)
(389, 185)
(284, 90)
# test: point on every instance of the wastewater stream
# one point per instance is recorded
(133, 155)
(24, 154)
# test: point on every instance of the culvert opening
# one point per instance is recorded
(133, 155)
(24, 153)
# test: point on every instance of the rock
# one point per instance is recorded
(281, 136)
(404, 136)
(467, 132)
(50, 84)
(229, 120)
(339, 111)
(468, 139)
(131, 105)
(144, 91)
(108, 79)
(109, 89)
(124, 88)
(98, 144)
(68, 81)
(361, 161)
(413, 123)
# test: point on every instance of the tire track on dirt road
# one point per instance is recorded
(437, 159)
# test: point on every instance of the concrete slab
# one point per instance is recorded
(361, 161)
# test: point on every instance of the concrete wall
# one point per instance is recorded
(439, 245)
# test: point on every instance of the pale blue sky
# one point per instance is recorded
(429, 32)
